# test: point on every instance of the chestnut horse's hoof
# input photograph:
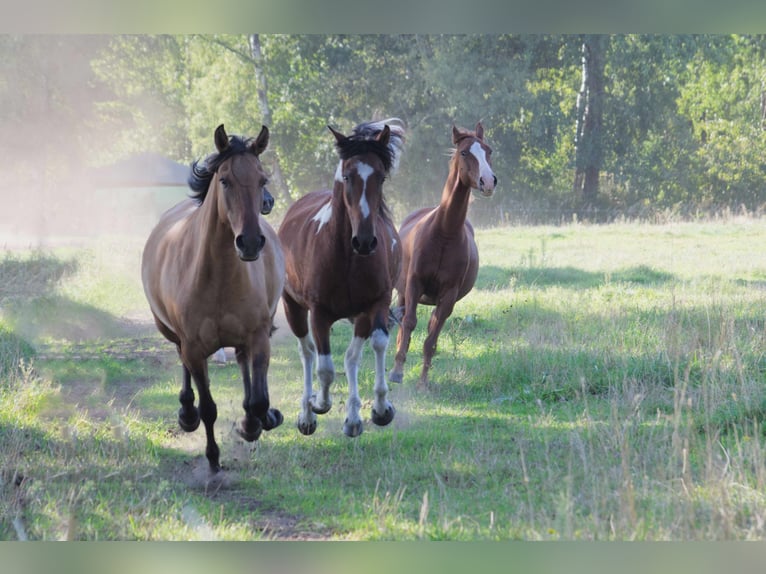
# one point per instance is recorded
(188, 419)
(385, 418)
(307, 427)
(352, 430)
(249, 429)
(273, 419)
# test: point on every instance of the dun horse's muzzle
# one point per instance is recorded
(249, 247)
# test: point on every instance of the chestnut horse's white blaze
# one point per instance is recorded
(440, 257)
(344, 274)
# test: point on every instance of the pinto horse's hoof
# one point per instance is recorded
(273, 419)
(385, 418)
(249, 429)
(352, 430)
(188, 419)
(394, 377)
(320, 410)
(307, 428)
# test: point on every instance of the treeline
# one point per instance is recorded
(596, 127)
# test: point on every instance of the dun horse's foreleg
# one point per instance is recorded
(439, 315)
(188, 414)
(258, 415)
(208, 411)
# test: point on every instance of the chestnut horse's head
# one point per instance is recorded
(473, 157)
(239, 180)
(367, 156)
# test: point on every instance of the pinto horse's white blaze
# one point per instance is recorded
(485, 171)
(364, 171)
(323, 216)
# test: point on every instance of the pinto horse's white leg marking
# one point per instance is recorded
(307, 420)
(485, 171)
(323, 215)
(353, 423)
(364, 172)
(220, 356)
(379, 342)
(326, 374)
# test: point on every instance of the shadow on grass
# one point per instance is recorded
(492, 277)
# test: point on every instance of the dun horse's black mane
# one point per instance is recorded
(202, 173)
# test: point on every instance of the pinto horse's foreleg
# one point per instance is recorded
(382, 410)
(307, 420)
(413, 291)
(352, 426)
(439, 315)
(321, 403)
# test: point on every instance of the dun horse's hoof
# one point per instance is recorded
(188, 419)
(273, 419)
(394, 377)
(320, 409)
(352, 430)
(385, 418)
(249, 429)
(307, 427)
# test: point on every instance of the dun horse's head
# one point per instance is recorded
(242, 193)
(361, 172)
(474, 160)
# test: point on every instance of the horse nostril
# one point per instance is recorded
(239, 241)
(263, 242)
(355, 243)
(481, 182)
(373, 244)
(495, 178)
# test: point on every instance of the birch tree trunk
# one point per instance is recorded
(279, 185)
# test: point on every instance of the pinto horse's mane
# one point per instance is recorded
(362, 140)
(202, 172)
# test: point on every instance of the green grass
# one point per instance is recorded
(599, 383)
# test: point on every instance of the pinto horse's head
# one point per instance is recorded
(239, 180)
(367, 156)
(473, 157)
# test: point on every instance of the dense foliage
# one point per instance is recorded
(683, 116)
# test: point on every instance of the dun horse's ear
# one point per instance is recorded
(261, 142)
(455, 135)
(384, 135)
(339, 137)
(221, 139)
(480, 131)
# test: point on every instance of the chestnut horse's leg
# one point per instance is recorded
(413, 291)
(207, 408)
(439, 315)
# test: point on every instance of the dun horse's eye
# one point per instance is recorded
(224, 182)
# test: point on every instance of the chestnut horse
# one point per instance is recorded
(342, 255)
(440, 257)
(213, 272)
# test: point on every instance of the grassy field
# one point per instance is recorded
(599, 383)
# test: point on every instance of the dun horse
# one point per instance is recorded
(440, 258)
(343, 256)
(213, 272)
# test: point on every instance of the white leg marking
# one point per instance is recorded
(326, 374)
(323, 215)
(364, 172)
(379, 342)
(351, 361)
(307, 351)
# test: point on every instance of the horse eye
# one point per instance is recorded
(345, 179)
(224, 182)
(464, 153)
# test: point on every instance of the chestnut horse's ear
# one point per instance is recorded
(384, 135)
(221, 139)
(339, 137)
(480, 131)
(261, 142)
(455, 135)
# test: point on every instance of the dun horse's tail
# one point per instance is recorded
(369, 130)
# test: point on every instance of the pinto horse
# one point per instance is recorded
(213, 272)
(342, 256)
(440, 257)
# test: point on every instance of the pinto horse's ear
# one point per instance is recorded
(339, 137)
(456, 135)
(480, 131)
(261, 142)
(384, 135)
(221, 139)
